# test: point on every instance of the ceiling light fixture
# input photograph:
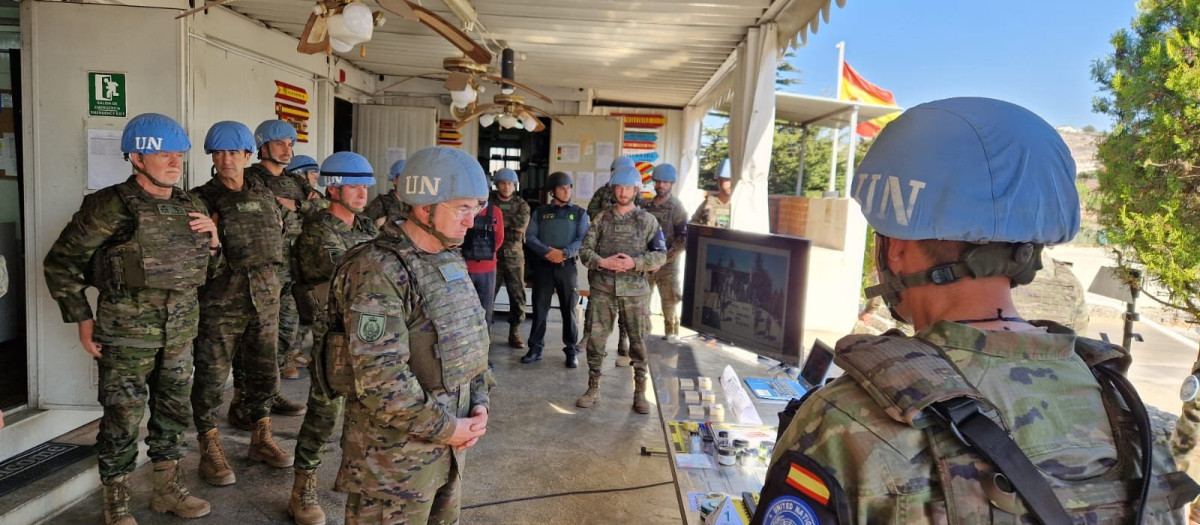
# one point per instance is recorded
(352, 26)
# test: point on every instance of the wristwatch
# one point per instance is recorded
(1191, 387)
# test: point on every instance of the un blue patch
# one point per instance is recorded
(789, 510)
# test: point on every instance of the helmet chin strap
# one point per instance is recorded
(150, 177)
(447, 242)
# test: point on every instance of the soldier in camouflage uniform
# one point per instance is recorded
(672, 218)
(894, 439)
(407, 336)
(602, 200)
(624, 243)
(1054, 295)
(511, 257)
(387, 207)
(305, 167)
(239, 306)
(297, 200)
(321, 245)
(147, 246)
(715, 210)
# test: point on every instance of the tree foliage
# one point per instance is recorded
(1148, 199)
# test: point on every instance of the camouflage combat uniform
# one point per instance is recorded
(417, 346)
(386, 205)
(140, 252)
(603, 200)
(511, 257)
(295, 187)
(672, 218)
(321, 245)
(239, 307)
(637, 235)
(713, 212)
(1047, 400)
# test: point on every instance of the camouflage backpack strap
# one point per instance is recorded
(332, 372)
(916, 384)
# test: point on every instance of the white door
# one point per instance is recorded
(383, 132)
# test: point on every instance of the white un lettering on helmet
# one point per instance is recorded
(889, 195)
(153, 143)
(421, 185)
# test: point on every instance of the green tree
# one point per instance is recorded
(1148, 200)
(786, 74)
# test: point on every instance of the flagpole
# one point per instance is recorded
(831, 191)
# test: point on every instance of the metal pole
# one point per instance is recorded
(1131, 314)
(831, 191)
(853, 143)
(803, 153)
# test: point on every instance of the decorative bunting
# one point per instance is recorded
(289, 107)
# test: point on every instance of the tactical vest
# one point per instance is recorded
(286, 186)
(718, 212)
(910, 378)
(557, 225)
(512, 234)
(450, 350)
(249, 224)
(480, 242)
(163, 253)
(665, 213)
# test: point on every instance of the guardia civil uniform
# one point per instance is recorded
(416, 347)
(900, 437)
(562, 227)
(140, 252)
(322, 243)
(672, 219)
(636, 234)
(511, 257)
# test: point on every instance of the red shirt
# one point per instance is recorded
(489, 266)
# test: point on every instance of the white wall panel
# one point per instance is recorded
(377, 128)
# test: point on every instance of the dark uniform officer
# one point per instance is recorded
(622, 245)
(555, 232)
(386, 207)
(321, 245)
(409, 347)
(239, 306)
(511, 258)
(147, 246)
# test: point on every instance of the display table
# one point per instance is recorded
(689, 359)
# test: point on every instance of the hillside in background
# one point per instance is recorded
(1083, 147)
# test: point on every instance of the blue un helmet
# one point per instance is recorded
(152, 133)
(621, 161)
(723, 170)
(977, 170)
(274, 130)
(505, 175)
(626, 176)
(439, 174)
(346, 168)
(302, 164)
(663, 173)
(395, 170)
(228, 135)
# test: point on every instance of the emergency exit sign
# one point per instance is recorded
(106, 94)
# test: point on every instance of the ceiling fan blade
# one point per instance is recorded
(504, 81)
(536, 111)
(209, 5)
(457, 81)
(400, 8)
(315, 37)
(480, 111)
(451, 33)
(435, 76)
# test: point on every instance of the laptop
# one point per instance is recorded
(816, 367)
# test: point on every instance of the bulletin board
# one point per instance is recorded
(584, 147)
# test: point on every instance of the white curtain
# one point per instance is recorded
(689, 158)
(752, 127)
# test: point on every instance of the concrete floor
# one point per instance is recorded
(538, 444)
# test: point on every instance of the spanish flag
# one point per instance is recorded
(855, 87)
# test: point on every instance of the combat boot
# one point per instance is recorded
(640, 404)
(285, 407)
(238, 416)
(514, 337)
(171, 496)
(289, 370)
(213, 467)
(592, 395)
(116, 502)
(303, 507)
(264, 449)
(532, 355)
(572, 359)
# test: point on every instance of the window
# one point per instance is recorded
(504, 158)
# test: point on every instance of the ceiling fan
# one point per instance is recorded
(508, 111)
(316, 36)
(464, 77)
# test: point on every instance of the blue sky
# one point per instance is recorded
(1034, 53)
